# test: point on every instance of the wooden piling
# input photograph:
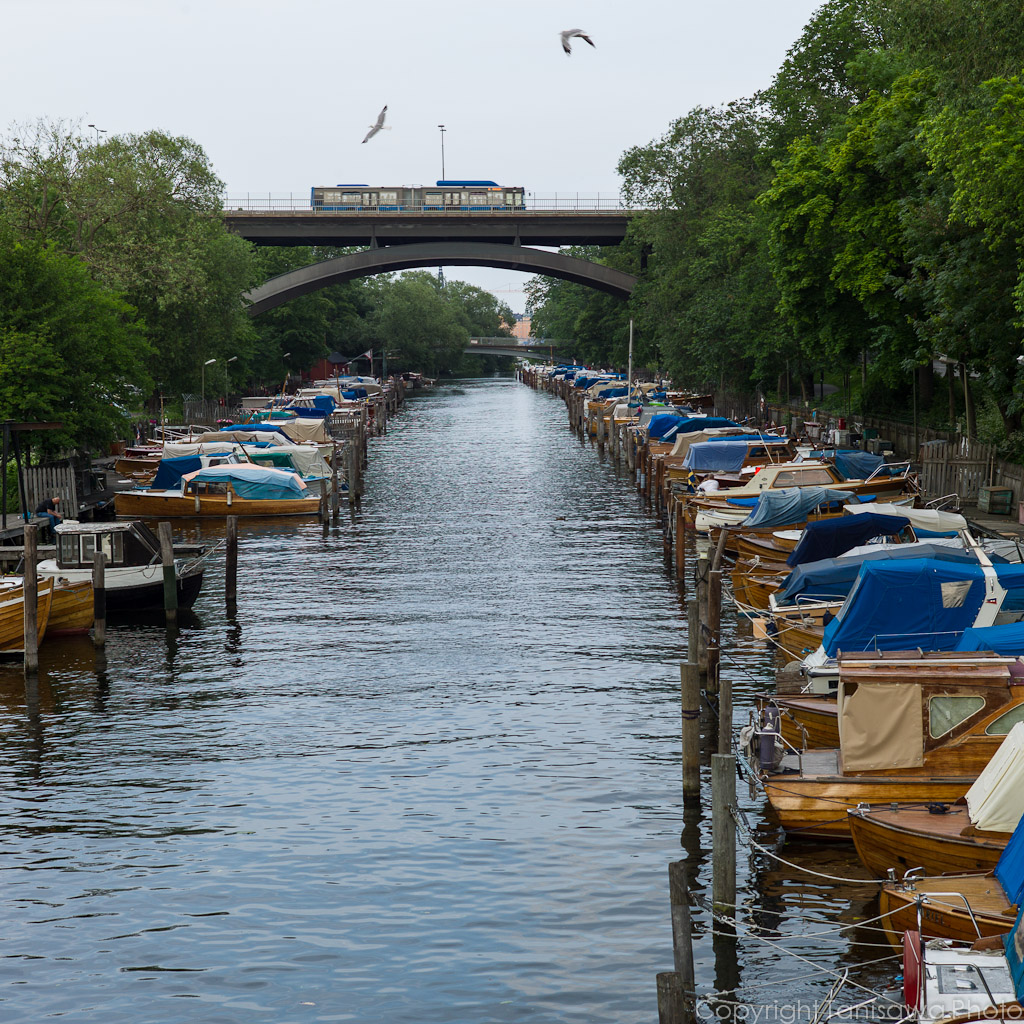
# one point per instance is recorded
(323, 501)
(692, 629)
(99, 598)
(716, 562)
(334, 482)
(170, 580)
(680, 541)
(723, 832)
(231, 564)
(701, 573)
(714, 624)
(690, 702)
(351, 472)
(30, 592)
(671, 1000)
(682, 936)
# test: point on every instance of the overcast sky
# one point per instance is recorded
(280, 95)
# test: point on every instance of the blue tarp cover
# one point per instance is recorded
(898, 604)
(829, 538)
(252, 482)
(1010, 866)
(170, 471)
(614, 390)
(832, 578)
(723, 455)
(269, 427)
(792, 504)
(1007, 639)
(1012, 946)
(852, 463)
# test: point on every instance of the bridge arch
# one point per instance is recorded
(437, 254)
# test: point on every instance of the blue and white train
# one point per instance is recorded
(445, 195)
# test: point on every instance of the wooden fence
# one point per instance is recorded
(948, 462)
(42, 482)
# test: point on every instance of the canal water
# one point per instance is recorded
(429, 773)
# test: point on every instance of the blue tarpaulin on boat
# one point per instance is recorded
(829, 538)
(899, 604)
(852, 463)
(253, 482)
(1007, 639)
(1012, 946)
(275, 428)
(170, 471)
(723, 454)
(793, 505)
(614, 390)
(830, 579)
(1010, 866)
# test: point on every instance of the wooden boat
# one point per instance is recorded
(133, 576)
(225, 490)
(905, 838)
(913, 731)
(772, 549)
(71, 609)
(808, 721)
(938, 907)
(12, 615)
(753, 583)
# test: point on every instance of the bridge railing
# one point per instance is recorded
(256, 202)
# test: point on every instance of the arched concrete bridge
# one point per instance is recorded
(437, 254)
(538, 348)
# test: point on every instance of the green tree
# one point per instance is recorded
(70, 349)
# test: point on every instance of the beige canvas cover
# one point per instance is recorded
(881, 725)
(996, 800)
(683, 442)
(177, 449)
(304, 430)
(241, 434)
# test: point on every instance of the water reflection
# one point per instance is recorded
(428, 771)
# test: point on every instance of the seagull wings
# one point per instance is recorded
(574, 33)
(374, 128)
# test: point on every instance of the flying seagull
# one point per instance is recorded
(374, 128)
(574, 33)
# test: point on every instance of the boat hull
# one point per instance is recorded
(913, 838)
(12, 615)
(71, 609)
(149, 505)
(945, 916)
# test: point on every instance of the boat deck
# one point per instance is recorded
(813, 762)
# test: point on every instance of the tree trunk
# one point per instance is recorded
(925, 385)
(971, 418)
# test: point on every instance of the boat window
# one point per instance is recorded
(1006, 721)
(801, 478)
(88, 547)
(68, 549)
(945, 713)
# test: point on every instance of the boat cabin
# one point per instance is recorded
(124, 543)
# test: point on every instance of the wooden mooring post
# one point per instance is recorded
(677, 1003)
(231, 564)
(335, 501)
(30, 592)
(701, 572)
(723, 832)
(170, 580)
(714, 627)
(99, 598)
(680, 541)
(689, 676)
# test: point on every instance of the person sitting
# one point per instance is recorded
(48, 507)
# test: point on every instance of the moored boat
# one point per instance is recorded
(226, 490)
(12, 614)
(133, 575)
(71, 608)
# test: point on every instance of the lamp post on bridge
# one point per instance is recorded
(443, 129)
(98, 131)
(226, 382)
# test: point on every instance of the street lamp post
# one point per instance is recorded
(98, 131)
(202, 393)
(226, 382)
(442, 127)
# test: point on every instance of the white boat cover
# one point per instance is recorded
(995, 802)
(306, 459)
(304, 430)
(920, 518)
(178, 449)
(241, 434)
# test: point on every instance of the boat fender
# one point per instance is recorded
(913, 955)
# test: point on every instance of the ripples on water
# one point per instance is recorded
(430, 772)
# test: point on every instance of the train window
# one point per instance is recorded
(350, 198)
(369, 199)
(478, 199)
(510, 199)
(432, 199)
(388, 198)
